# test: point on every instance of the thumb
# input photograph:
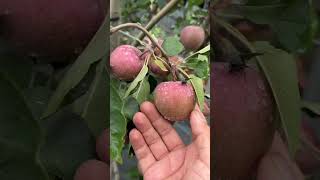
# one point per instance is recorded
(201, 134)
(198, 123)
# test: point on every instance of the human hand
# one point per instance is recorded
(277, 164)
(160, 151)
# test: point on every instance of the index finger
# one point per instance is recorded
(168, 134)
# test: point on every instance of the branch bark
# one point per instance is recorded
(115, 16)
(144, 31)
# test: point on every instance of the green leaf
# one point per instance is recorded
(66, 131)
(200, 65)
(195, 3)
(201, 51)
(197, 84)
(204, 50)
(16, 69)
(202, 57)
(291, 22)
(312, 106)
(160, 64)
(97, 48)
(141, 94)
(20, 136)
(131, 106)
(202, 70)
(142, 74)
(172, 46)
(118, 125)
(81, 88)
(37, 99)
(95, 111)
(284, 87)
(310, 34)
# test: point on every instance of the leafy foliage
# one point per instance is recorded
(66, 131)
(199, 63)
(293, 21)
(95, 51)
(285, 89)
(118, 124)
(314, 107)
(172, 46)
(20, 134)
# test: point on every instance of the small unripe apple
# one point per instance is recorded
(102, 146)
(156, 69)
(175, 100)
(157, 51)
(174, 60)
(92, 170)
(125, 62)
(192, 37)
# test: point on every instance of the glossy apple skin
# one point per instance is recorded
(192, 37)
(125, 62)
(51, 28)
(175, 100)
(242, 120)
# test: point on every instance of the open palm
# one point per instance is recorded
(160, 151)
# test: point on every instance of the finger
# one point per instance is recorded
(202, 143)
(151, 136)
(198, 123)
(141, 150)
(165, 129)
(201, 134)
(278, 145)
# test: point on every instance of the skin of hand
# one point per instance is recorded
(277, 164)
(160, 151)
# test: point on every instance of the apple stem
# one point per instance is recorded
(184, 73)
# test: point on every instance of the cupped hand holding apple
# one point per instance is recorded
(160, 151)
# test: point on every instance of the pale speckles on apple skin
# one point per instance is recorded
(175, 100)
(241, 119)
(125, 62)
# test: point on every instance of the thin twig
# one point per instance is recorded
(155, 19)
(237, 35)
(135, 25)
(185, 74)
(132, 37)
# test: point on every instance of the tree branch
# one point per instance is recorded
(126, 25)
(155, 19)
